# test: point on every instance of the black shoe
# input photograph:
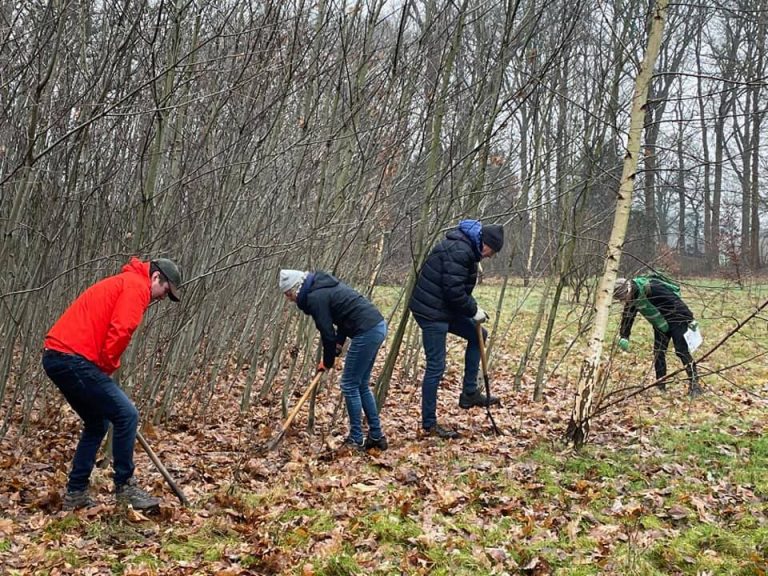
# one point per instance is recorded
(352, 445)
(379, 443)
(467, 401)
(694, 390)
(76, 500)
(130, 493)
(662, 387)
(440, 432)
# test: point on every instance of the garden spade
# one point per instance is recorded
(484, 361)
(272, 444)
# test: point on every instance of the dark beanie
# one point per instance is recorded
(493, 237)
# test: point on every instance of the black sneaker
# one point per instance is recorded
(76, 500)
(130, 493)
(379, 443)
(440, 432)
(467, 401)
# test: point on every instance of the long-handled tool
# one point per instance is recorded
(484, 361)
(159, 465)
(272, 444)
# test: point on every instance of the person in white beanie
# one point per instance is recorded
(340, 312)
(290, 280)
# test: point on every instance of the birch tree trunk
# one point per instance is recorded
(757, 116)
(579, 424)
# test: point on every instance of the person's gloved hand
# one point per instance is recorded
(624, 344)
(480, 316)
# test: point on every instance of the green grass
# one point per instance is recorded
(698, 546)
(144, 559)
(739, 456)
(704, 547)
(66, 556)
(115, 528)
(391, 528)
(136, 563)
(207, 544)
(342, 564)
(301, 524)
(57, 528)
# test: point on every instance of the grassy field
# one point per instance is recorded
(666, 485)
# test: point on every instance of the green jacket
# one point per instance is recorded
(657, 303)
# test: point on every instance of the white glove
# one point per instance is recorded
(480, 316)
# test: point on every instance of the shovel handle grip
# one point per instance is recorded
(481, 342)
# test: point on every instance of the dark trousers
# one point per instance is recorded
(676, 333)
(433, 336)
(98, 400)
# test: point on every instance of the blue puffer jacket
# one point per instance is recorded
(443, 290)
(331, 302)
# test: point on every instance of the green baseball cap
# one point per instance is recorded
(172, 274)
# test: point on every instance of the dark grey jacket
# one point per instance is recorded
(331, 302)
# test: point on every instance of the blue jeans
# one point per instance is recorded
(98, 400)
(354, 382)
(433, 336)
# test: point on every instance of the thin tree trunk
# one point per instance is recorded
(579, 424)
(757, 117)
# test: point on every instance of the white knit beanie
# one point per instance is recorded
(289, 279)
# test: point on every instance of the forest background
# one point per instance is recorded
(238, 138)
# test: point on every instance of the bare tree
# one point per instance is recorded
(579, 424)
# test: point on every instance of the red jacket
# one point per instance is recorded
(99, 324)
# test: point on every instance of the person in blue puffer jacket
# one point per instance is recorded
(442, 302)
(340, 312)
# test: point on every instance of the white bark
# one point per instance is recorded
(578, 427)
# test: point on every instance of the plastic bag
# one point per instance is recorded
(693, 337)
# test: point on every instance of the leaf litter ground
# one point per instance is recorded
(666, 486)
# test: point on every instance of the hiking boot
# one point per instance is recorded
(440, 432)
(130, 493)
(467, 401)
(352, 445)
(379, 443)
(694, 390)
(77, 499)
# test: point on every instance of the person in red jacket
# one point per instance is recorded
(83, 349)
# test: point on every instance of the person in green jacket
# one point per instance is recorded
(658, 301)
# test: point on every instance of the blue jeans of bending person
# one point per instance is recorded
(98, 400)
(354, 382)
(433, 336)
